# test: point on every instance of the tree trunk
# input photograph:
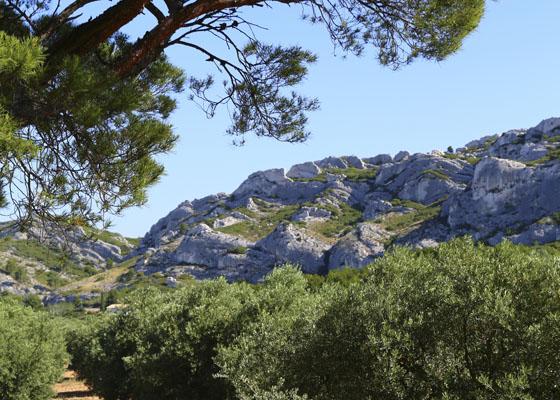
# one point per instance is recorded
(87, 36)
(150, 46)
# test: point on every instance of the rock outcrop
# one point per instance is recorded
(346, 211)
(41, 257)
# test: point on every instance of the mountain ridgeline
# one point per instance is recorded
(347, 211)
(323, 215)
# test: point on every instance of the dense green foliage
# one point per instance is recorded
(463, 321)
(163, 346)
(32, 352)
(76, 141)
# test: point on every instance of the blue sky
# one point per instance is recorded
(506, 76)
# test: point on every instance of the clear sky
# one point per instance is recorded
(507, 75)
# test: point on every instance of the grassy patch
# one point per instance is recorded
(99, 281)
(470, 159)
(351, 173)
(50, 279)
(322, 177)
(246, 212)
(343, 219)
(263, 224)
(238, 250)
(489, 142)
(436, 173)
(242, 210)
(551, 219)
(355, 174)
(16, 271)
(399, 222)
(396, 202)
(53, 259)
(552, 139)
(112, 238)
(553, 154)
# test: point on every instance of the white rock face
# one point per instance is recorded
(204, 246)
(496, 179)
(359, 248)
(289, 244)
(234, 218)
(261, 182)
(532, 152)
(311, 213)
(354, 162)
(306, 170)
(331, 162)
(509, 137)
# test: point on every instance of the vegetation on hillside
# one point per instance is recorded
(262, 223)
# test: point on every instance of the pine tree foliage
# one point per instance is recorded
(84, 109)
(83, 145)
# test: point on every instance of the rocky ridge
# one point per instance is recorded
(322, 215)
(45, 257)
(346, 211)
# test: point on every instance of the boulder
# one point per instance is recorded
(331, 162)
(354, 162)
(274, 185)
(401, 156)
(549, 127)
(228, 220)
(306, 170)
(261, 183)
(289, 244)
(358, 248)
(379, 159)
(204, 246)
(510, 137)
(376, 208)
(532, 152)
(429, 188)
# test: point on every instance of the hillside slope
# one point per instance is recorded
(346, 211)
(45, 258)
